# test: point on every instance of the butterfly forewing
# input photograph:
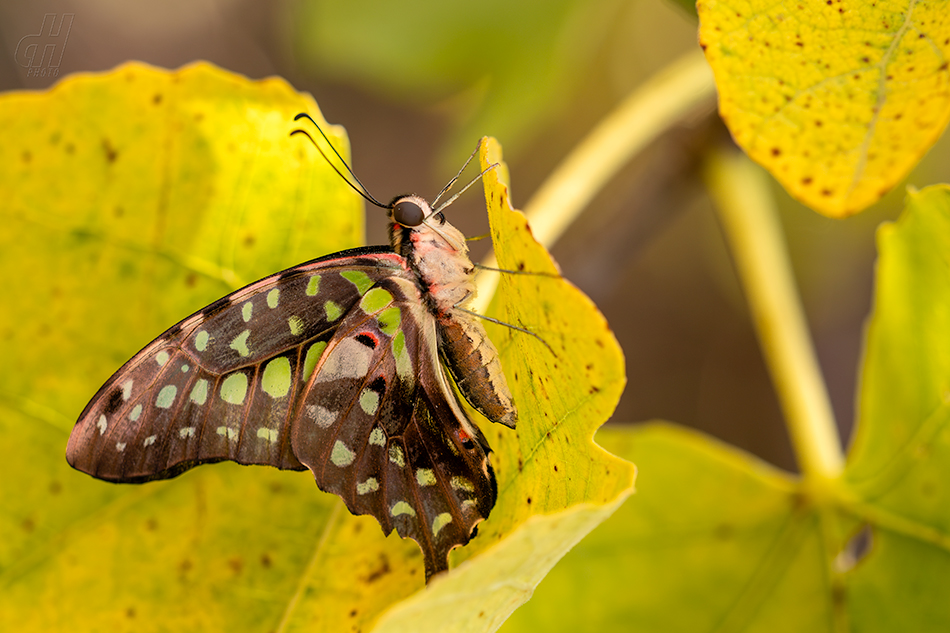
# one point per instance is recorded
(222, 383)
(380, 427)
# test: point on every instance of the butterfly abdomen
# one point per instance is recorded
(473, 360)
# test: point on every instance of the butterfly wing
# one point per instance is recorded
(222, 383)
(380, 426)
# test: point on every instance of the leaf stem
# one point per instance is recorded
(643, 116)
(747, 210)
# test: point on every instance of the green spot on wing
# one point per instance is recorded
(313, 286)
(341, 455)
(403, 364)
(359, 279)
(234, 388)
(273, 297)
(247, 310)
(368, 486)
(296, 325)
(375, 300)
(401, 507)
(369, 401)
(440, 522)
(333, 310)
(389, 320)
(199, 393)
(166, 397)
(201, 341)
(276, 379)
(239, 344)
(310, 360)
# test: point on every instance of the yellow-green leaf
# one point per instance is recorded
(131, 199)
(134, 198)
(717, 540)
(837, 99)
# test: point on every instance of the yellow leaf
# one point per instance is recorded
(136, 197)
(837, 99)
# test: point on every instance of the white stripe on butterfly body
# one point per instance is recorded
(345, 366)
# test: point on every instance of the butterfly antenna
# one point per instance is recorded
(438, 209)
(362, 190)
(453, 181)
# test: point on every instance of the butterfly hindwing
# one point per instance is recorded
(381, 427)
(222, 383)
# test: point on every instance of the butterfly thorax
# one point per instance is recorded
(437, 253)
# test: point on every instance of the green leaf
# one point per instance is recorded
(713, 540)
(717, 540)
(899, 464)
(838, 100)
(136, 197)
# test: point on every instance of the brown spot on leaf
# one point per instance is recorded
(266, 561)
(55, 487)
(381, 570)
(151, 524)
(235, 564)
(28, 525)
(806, 180)
(157, 98)
(111, 153)
(776, 151)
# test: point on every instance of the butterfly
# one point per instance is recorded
(351, 365)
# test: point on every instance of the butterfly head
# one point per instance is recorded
(413, 225)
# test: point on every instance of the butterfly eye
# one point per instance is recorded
(408, 213)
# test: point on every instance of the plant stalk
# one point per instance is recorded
(749, 217)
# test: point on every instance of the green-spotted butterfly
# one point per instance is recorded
(343, 365)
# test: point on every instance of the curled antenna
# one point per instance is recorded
(361, 189)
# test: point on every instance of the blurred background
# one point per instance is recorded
(416, 83)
